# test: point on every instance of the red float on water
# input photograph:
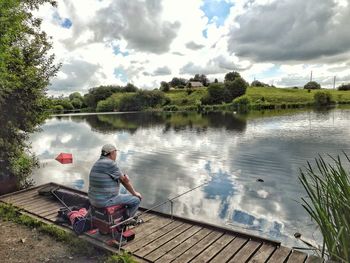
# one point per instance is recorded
(65, 158)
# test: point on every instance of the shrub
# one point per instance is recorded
(257, 83)
(312, 85)
(236, 88)
(344, 87)
(322, 98)
(109, 104)
(58, 109)
(243, 101)
(231, 76)
(217, 93)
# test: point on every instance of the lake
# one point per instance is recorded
(166, 154)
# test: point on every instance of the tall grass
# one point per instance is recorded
(328, 203)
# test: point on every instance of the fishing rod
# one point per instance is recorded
(157, 205)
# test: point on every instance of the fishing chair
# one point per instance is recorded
(108, 220)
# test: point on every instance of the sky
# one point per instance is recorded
(143, 42)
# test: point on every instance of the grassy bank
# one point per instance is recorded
(76, 245)
(260, 98)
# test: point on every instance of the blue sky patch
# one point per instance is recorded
(63, 22)
(216, 10)
(205, 33)
(120, 74)
(116, 50)
(66, 23)
(269, 73)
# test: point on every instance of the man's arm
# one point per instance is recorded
(124, 179)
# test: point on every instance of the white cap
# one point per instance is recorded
(107, 148)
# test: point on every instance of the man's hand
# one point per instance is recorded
(138, 195)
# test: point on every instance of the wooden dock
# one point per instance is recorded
(162, 239)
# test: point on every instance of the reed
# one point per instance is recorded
(328, 203)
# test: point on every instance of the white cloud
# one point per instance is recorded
(147, 41)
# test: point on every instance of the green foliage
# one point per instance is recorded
(110, 104)
(201, 78)
(125, 257)
(236, 88)
(26, 67)
(217, 93)
(22, 167)
(58, 109)
(231, 76)
(77, 103)
(176, 82)
(10, 213)
(99, 93)
(344, 87)
(138, 101)
(323, 98)
(242, 103)
(328, 203)
(164, 86)
(312, 85)
(75, 95)
(257, 83)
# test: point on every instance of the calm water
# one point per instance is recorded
(167, 154)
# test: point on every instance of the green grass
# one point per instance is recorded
(328, 204)
(261, 97)
(181, 97)
(75, 244)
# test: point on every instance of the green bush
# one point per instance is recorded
(236, 88)
(322, 98)
(58, 109)
(217, 93)
(344, 87)
(312, 85)
(242, 103)
(109, 104)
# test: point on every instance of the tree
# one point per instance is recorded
(236, 88)
(101, 93)
(175, 82)
(231, 76)
(164, 86)
(130, 88)
(312, 85)
(26, 67)
(75, 95)
(201, 78)
(257, 83)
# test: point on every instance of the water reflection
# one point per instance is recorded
(166, 154)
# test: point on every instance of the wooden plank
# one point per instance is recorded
(214, 249)
(280, 255)
(160, 251)
(314, 259)
(27, 201)
(184, 246)
(37, 204)
(151, 225)
(230, 250)
(246, 252)
(21, 196)
(199, 247)
(162, 240)
(262, 254)
(151, 237)
(297, 257)
(44, 208)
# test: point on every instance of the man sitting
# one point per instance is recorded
(104, 183)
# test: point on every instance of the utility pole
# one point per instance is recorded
(311, 76)
(334, 83)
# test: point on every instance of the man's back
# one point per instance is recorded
(103, 181)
